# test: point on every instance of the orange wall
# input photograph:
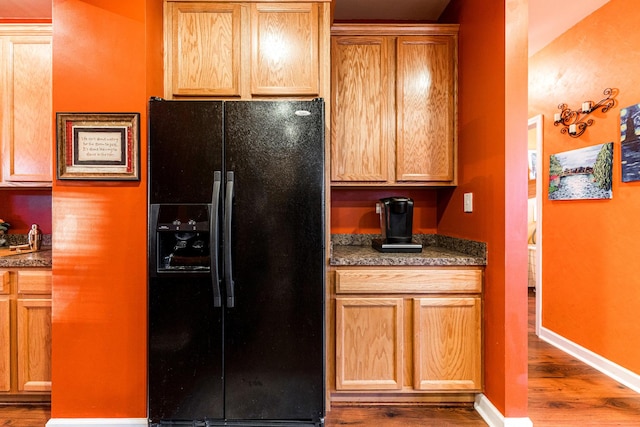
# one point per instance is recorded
(354, 211)
(492, 165)
(21, 208)
(101, 63)
(590, 279)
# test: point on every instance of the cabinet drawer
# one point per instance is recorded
(444, 280)
(34, 282)
(4, 282)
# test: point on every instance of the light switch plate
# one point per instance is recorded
(468, 202)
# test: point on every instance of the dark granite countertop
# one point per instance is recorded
(437, 250)
(41, 258)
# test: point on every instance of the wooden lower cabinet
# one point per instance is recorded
(369, 341)
(447, 344)
(408, 331)
(25, 334)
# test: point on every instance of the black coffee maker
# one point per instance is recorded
(396, 225)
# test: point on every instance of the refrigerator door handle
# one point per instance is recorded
(214, 238)
(228, 265)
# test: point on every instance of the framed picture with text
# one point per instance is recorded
(98, 146)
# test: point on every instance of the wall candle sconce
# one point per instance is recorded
(573, 121)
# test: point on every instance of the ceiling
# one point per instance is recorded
(548, 19)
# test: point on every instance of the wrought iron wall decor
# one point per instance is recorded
(573, 121)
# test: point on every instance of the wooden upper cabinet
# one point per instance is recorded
(284, 49)
(360, 127)
(245, 50)
(203, 48)
(425, 102)
(25, 105)
(394, 105)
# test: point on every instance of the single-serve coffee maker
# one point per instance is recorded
(396, 226)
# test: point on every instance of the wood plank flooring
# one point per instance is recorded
(562, 392)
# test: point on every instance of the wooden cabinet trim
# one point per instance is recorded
(394, 29)
(389, 280)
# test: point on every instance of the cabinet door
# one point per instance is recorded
(26, 108)
(369, 343)
(447, 344)
(34, 344)
(362, 108)
(204, 49)
(5, 345)
(426, 104)
(284, 49)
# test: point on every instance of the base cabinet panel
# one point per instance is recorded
(25, 335)
(369, 343)
(5, 345)
(446, 344)
(34, 344)
(401, 335)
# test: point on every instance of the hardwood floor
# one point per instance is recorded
(562, 392)
(566, 392)
(24, 415)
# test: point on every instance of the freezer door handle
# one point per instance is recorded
(228, 265)
(214, 238)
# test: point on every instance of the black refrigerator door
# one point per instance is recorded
(185, 349)
(185, 148)
(274, 358)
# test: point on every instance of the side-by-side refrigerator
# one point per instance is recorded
(236, 263)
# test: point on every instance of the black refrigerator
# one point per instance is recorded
(236, 263)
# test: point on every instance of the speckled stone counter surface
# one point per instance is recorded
(437, 250)
(41, 259)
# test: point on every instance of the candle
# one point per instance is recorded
(586, 106)
(556, 117)
(572, 128)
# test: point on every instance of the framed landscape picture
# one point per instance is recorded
(584, 173)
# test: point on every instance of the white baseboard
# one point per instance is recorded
(607, 367)
(97, 422)
(494, 418)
